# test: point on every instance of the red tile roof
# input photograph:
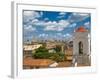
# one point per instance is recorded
(81, 29)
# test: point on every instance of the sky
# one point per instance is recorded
(45, 25)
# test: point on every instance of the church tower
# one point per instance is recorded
(81, 46)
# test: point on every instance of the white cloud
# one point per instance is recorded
(80, 14)
(48, 25)
(41, 13)
(60, 29)
(43, 35)
(28, 13)
(29, 28)
(63, 23)
(52, 25)
(31, 15)
(56, 26)
(35, 20)
(74, 17)
(84, 14)
(28, 31)
(39, 23)
(61, 14)
(67, 35)
(87, 24)
(46, 19)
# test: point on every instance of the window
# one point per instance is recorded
(80, 47)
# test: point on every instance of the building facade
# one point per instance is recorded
(28, 49)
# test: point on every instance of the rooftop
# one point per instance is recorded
(37, 62)
(81, 29)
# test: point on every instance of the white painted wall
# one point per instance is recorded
(83, 37)
(5, 39)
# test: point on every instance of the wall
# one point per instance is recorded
(5, 39)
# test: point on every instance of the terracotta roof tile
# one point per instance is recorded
(81, 29)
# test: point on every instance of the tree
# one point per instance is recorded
(58, 57)
(57, 48)
(41, 53)
(41, 49)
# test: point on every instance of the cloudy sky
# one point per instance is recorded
(52, 25)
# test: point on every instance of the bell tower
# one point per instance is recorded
(81, 46)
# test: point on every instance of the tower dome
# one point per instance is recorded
(81, 29)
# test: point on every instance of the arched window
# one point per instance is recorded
(80, 47)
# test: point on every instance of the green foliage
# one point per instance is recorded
(41, 49)
(58, 48)
(42, 53)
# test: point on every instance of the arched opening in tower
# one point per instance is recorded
(80, 47)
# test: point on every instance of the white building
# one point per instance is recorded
(81, 47)
(32, 47)
(28, 49)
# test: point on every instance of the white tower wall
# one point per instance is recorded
(85, 39)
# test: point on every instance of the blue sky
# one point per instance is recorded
(52, 25)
